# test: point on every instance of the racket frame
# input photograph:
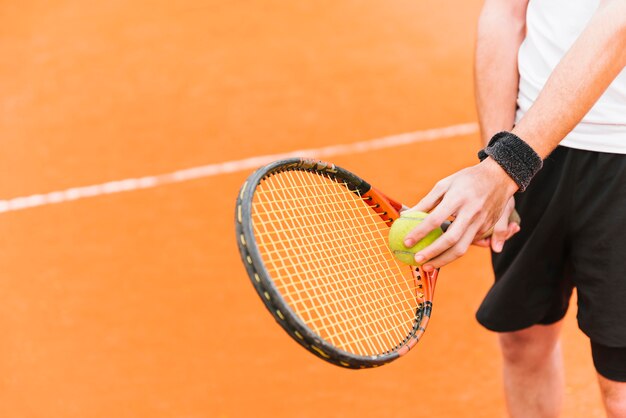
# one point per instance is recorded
(386, 208)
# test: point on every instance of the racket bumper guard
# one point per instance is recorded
(310, 163)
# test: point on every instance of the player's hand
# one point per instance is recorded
(476, 197)
(502, 230)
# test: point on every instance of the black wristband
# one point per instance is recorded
(515, 156)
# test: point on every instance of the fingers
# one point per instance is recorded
(450, 246)
(511, 229)
(514, 228)
(485, 243)
(430, 222)
(500, 231)
(433, 197)
(475, 195)
(459, 236)
(506, 227)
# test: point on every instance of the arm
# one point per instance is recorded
(478, 194)
(584, 73)
(501, 30)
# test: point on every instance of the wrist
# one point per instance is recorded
(495, 171)
(518, 159)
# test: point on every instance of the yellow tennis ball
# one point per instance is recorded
(402, 226)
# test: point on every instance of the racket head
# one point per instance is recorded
(296, 305)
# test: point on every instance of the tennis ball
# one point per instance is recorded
(402, 226)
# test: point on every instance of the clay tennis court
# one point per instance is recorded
(123, 295)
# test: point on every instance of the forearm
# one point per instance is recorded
(501, 30)
(578, 81)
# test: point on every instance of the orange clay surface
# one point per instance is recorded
(135, 304)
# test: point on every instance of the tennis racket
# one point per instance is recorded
(313, 239)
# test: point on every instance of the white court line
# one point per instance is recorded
(147, 182)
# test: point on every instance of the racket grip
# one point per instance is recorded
(513, 218)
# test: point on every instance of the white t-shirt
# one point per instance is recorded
(552, 27)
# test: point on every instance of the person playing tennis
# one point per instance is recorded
(551, 97)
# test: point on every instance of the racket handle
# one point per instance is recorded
(513, 218)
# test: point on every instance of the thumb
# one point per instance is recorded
(500, 233)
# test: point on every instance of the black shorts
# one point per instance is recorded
(573, 235)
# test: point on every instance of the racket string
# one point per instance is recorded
(381, 275)
(371, 321)
(379, 314)
(370, 313)
(371, 215)
(322, 297)
(326, 327)
(377, 275)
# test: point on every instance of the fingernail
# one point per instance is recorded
(497, 246)
(409, 243)
(419, 258)
(428, 268)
